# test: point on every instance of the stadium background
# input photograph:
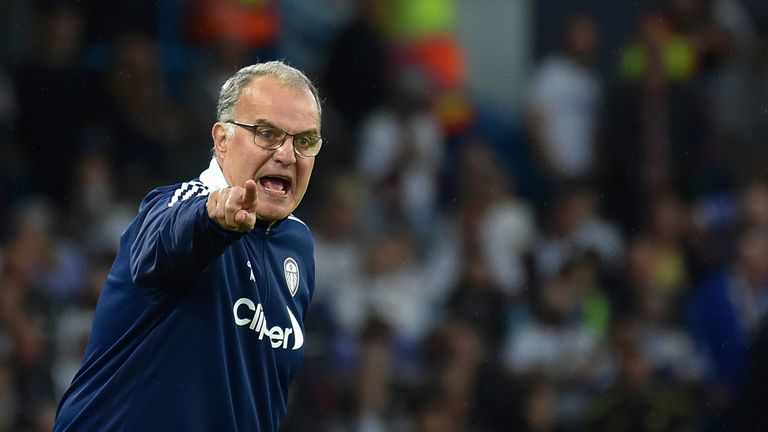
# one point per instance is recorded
(530, 215)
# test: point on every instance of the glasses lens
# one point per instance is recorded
(307, 145)
(268, 137)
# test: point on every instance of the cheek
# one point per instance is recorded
(243, 164)
(306, 169)
(304, 172)
(240, 167)
(251, 158)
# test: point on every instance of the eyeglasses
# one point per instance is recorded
(272, 138)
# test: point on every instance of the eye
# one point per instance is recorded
(304, 141)
(268, 133)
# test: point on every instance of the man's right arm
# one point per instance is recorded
(174, 240)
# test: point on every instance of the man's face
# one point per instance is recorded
(281, 175)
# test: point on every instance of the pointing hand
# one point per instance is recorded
(234, 208)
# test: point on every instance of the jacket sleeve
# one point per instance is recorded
(173, 240)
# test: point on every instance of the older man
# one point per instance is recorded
(200, 322)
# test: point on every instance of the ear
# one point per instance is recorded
(220, 141)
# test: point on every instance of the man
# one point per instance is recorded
(563, 103)
(199, 326)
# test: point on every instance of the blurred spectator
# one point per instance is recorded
(400, 159)
(339, 258)
(462, 391)
(732, 83)
(74, 323)
(36, 273)
(395, 288)
(654, 126)
(717, 219)
(668, 230)
(653, 315)
(724, 317)
(481, 184)
(506, 228)
(574, 227)
(571, 322)
(572, 316)
(476, 299)
(356, 75)
(96, 206)
(487, 225)
(39, 256)
(374, 405)
(423, 36)
(639, 401)
(563, 105)
(139, 119)
(201, 93)
(53, 92)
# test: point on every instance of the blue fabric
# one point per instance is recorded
(715, 326)
(196, 328)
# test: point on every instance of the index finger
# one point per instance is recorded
(249, 196)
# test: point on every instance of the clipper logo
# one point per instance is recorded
(257, 321)
(291, 270)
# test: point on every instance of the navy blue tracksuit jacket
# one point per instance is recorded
(197, 328)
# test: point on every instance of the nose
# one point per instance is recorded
(285, 154)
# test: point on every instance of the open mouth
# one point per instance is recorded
(276, 185)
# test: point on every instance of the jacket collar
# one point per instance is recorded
(213, 177)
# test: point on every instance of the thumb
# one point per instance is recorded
(246, 219)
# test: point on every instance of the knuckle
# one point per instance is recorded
(230, 206)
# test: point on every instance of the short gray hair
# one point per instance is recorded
(284, 74)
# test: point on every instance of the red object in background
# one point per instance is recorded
(439, 56)
(455, 113)
(253, 23)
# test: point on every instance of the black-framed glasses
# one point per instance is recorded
(271, 137)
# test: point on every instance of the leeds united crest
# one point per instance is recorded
(291, 270)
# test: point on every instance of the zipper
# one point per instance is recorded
(265, 269)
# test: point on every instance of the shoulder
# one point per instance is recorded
(295, 231)
(294, 219)
(187, 190)
(296, 225)
(170, 195)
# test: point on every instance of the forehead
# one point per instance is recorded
(265, 98)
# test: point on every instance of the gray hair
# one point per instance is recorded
(233, 87)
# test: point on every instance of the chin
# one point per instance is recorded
(272, 214)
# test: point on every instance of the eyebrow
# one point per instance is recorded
(263, 122)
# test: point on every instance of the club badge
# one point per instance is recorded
(291, 270)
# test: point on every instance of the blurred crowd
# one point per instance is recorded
(597, 260)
